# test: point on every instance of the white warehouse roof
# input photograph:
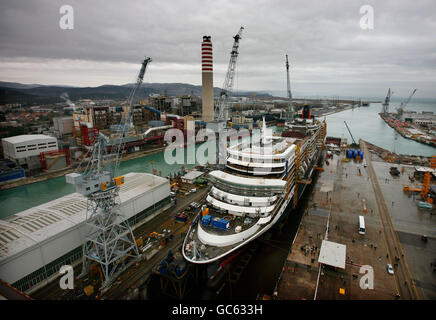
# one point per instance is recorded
(28, 138)
(192, 175)
(332, 254)
(24, 233)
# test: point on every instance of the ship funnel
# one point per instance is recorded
(263, 134)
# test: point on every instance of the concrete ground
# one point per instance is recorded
(411, 222)
(340, 196)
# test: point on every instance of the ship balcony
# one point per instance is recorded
(243, 200)
(255, 170)
(241, 182)
(244, 191)
(238, 210)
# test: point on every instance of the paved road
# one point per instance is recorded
(404, 281)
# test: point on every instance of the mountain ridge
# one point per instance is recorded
(11, 92)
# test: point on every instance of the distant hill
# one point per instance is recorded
(8, 95)
(16, 85)
(11, 92)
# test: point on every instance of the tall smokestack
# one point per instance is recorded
(207, 79)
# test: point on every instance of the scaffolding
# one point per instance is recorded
(109, 242)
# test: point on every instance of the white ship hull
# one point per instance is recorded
(254, 191)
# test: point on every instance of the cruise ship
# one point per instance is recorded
(261, 182)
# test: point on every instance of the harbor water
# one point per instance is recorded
(365, 123)
(31, 195)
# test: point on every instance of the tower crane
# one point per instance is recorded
(221, 108)
(386, 102)
(290, 108)
(354, 141)
(109, 241)
(404, 103)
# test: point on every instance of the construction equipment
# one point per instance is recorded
(433, 162)
(385, 104)
(155, 235)
(409, 189)
(404, 103)
(354, 141)
(221, 108)
(394, 171)
(109, 241)
(426, 185)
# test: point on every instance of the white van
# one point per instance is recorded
(362, 229)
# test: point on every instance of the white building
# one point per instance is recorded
(28, 145)
(63, 125)
(191, 176)
(35, 243)
(332, 254)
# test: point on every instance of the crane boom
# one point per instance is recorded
(288, 80)
(291, 110)
(403, 105)
(221, 109)
(354, 141)
(128, 123)
(138, 83)
(109, 241)
(387, 100)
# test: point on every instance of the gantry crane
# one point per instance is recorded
(290, 108)
(109, 241)
(404, 103)
(386, 102)
(221, 107)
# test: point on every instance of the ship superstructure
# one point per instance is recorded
(262, 181)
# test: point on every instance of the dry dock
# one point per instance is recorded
(394, 225)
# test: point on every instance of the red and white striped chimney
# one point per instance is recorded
(207, 78)
(206, 55)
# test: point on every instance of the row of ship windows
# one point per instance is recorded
(255, 169)
(245, 203)
(254, 160)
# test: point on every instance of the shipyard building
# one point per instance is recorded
(35, 243)
(20, 148)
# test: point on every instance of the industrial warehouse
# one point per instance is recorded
(35, 243)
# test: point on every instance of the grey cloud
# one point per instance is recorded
(323, 39)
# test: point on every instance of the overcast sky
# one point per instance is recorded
(330, 54)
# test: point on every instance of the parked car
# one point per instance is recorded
(390, 269)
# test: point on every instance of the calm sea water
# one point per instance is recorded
(364, 123)
(25, 197)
